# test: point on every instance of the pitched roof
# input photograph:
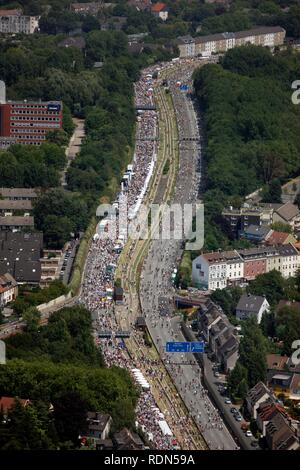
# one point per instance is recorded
(15, 12)
(18, 192)
(158, 7)
(6, 403)
(250, 303)
(277, 238)
(279, 434)
(19, 221)
(288, 211)
(275, 361)
(257, 392)
(221, 256)
(240, 34)
(257, 230)
(8, 204)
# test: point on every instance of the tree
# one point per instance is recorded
(237, 381)
(70, 415)
(60, 138)
(253, 352)
(288, 326)
(32, 317)
(273, 193)
(271, 285)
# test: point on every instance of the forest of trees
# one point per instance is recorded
(59, 365)
(252, 127)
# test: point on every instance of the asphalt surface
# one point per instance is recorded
(156, 291)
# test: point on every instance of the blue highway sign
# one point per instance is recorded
(176, 346)
(197, 347)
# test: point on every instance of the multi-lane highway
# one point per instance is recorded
(156, 291)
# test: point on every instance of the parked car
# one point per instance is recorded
(249, 433)
(254, 444)
(227, 401)
(233, 410)
(216, 373)
(238, 417)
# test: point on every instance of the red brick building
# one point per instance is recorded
(28, 122)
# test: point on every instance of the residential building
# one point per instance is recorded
(287, 303)
(19, 194)
(220, 335)
(250, 306)
(7, 403)
(98, 427)
(14, 22)
(266, 36)
(160, 10)
(28, 122)
(215, 270)
(257, 234)
(239, 220)
(10, 207)
(279, 238)
(140, 5)
(8, 289)
(91, 8)
(127, 440)
(280, 435)
(266, 411)
(255, 396)
(20, 255)
(289, 214)
(16, 223)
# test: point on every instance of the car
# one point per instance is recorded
(227, 401)
(238, 417)
(249, 433)
(216, 373)
(254, 444)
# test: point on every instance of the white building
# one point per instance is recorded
(215, 270)
(14, 22)
(8, 289)
(252, 306)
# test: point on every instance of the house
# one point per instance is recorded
(127, 440)
(19, 194)
(287, 303)
(257, 233)
(289, 214)
(280, 435)
(252, 306)
(255, 396)
(279, 238)
(16, 223)
(215, 270)
(160, 10)
(140, 5)
(239, 220)
(8, 289)
(9, 207)
(266, 411)
(98, 427)
(277, 362)
(220, 335)
(20, 255)
(7, 403)
(90, 8)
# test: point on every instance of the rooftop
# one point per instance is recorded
(19, 221)
(158, 7)
(250, 303)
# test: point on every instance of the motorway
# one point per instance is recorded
(156, 291)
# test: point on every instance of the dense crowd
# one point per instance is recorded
(98, 284)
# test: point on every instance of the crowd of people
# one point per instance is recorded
(98, 284)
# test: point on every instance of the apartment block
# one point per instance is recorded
(14, 22)
(218, 270)
(266, 36)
